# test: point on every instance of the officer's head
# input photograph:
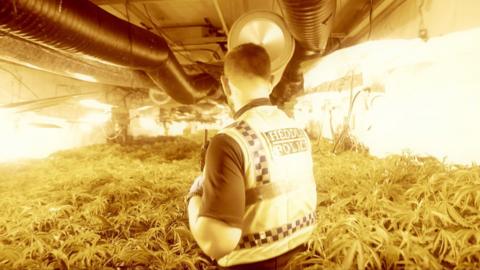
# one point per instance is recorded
(247, 73)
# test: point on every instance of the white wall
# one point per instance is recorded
(431, 99)
(431, 90)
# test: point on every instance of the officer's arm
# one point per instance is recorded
(216, 238)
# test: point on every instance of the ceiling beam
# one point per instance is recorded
(140, 15)
(221, 17)
(202, 40)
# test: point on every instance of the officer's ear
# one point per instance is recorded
(271, 81)
(226, 87)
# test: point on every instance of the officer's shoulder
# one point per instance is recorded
(231, 125)
(222, 138)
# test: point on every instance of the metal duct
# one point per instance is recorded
(310, 22)
(35, 56)
(80, 27)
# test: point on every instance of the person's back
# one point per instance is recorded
(280, 188)
(258, 178)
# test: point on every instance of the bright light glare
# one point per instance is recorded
(83, 77)
(96, 118)
(95, 104)
(150, 126)
(147, 126)
(43, 119)
(430, 102)
(144, 108)
(85, 128)
(177, 128)
(20, 139)
(32, 66)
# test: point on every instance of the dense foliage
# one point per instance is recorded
(122, 207)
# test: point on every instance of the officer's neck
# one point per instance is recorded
(241, 98)
(243, 102)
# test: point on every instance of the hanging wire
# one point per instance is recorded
(420, 11)
(170, 41)
(370, 19)
(173, 43)
(129, 30)
(20, 81)
(422, 29)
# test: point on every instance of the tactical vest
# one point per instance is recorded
(280, 189)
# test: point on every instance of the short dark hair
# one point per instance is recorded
(247, 61)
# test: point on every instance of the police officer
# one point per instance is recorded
(254, 205)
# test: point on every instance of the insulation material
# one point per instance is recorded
(430, 100)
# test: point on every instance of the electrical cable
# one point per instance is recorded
(20, 81)
(170, 41)
(370, 19)
(422, 29)
(346, 127)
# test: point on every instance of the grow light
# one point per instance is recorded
(150, 126)
(176, 128)
(95, 104)
(83, 77)
(22, 137)
(144, 108)
(96, 118)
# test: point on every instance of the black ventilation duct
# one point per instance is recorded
(80, 27)
(310, 22)
(18, 51)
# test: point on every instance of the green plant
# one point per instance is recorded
(122, 207)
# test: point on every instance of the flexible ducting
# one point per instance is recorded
(82, 28)
(18, 51)
(310, 22)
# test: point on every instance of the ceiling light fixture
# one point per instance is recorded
(95, 104)
(83, 77)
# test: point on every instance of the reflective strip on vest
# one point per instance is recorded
(270, 236)
(262, 175)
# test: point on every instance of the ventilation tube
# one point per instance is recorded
(16, 50)
(80, 27)
(310, 22)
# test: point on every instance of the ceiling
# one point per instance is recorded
(197, 30)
